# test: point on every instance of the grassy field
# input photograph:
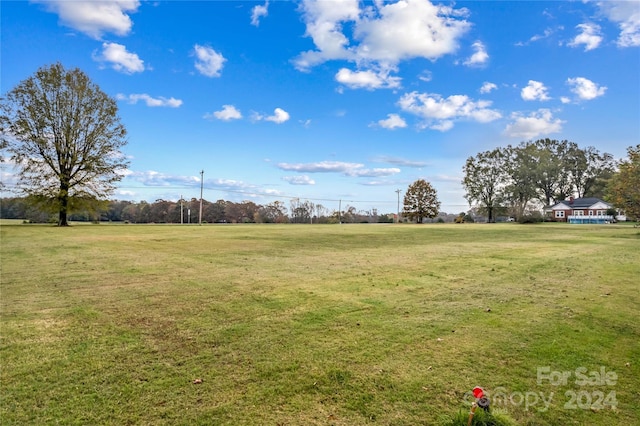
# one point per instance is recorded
(318, 324)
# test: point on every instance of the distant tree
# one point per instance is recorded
(243, 212)
(144, 212)
(321, 213)
(301, 211)
(114, 211)
(484, 181)
(274, 212)
(65, 136)
(130, 213)
(624, 187)
(160, 210)
(420, 201)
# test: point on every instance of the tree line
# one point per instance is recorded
(525, 178)
(188, 211)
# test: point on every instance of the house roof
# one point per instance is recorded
(581, 203)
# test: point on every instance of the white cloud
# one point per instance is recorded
(535, 91)
(153, 178)
(94, 18)
(426, 76)
(367, 79)
(442, 126)
(590, 37)
(376, 172)
(321, 167)
(585, 89)
(323, 21)
(127, 194)
(565, 100)
(440, 113)
(208, 61)
(299, 180)
(150, 101)
(383, 33)
(393, 121)
(409, 29)
(546, 34)
(400, 161)
(120, 60)
(346, 169)
(627, 15)
(227, 113)
(537, 123)
(487, 87)
(258, 12)
(480, 56)
(279, 116)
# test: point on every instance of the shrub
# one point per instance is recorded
(531, 218)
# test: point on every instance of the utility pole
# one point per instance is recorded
(201, 188)
(340, 212)
(181, 211)
(398, 191)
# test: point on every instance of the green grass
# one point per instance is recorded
(315, 325)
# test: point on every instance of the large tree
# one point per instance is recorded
(588, 168)
(64, 135)
(550, 174)
(624, 186)
(420, 201)
(485, 180)
(520, 188)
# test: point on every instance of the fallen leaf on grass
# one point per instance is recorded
(197, 381)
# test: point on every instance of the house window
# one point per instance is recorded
(590, 212)
(578, 213)
(560, 213)
(601, 212)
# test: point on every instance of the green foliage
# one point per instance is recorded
(420, 201)
(483, 178)
(65, 135)
(533, 217)
(545, 170)
(624, 187)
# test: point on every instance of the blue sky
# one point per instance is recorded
(332, 100)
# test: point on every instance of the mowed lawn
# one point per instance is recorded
(318, 324)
